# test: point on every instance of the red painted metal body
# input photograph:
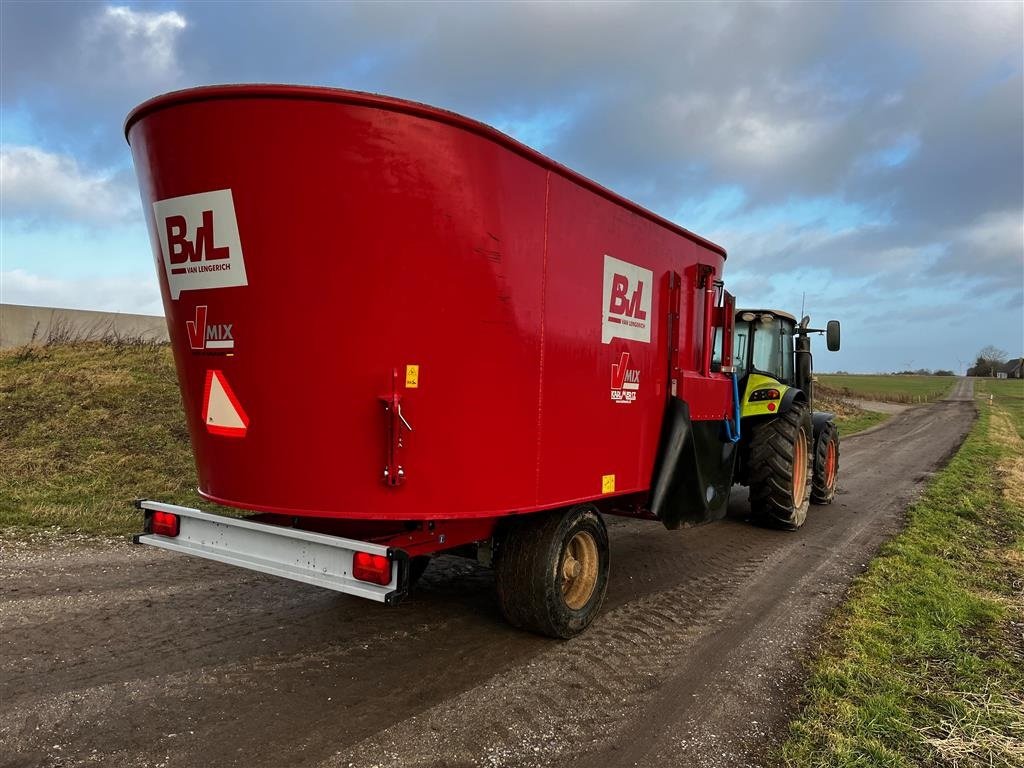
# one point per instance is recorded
(377, 235)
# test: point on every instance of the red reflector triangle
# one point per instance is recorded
(222, 413)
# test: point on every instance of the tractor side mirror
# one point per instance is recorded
(832, 335)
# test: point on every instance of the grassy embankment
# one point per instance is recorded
(924, 665)
(854, 421)
(84, 429)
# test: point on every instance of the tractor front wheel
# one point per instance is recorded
(826, 464)
(780, 468)
(552, 570)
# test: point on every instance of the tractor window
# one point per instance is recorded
(739, 346)
(773, 348)
(786, 332)
(768, 348)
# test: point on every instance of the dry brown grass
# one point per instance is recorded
(967, 738)
(1010, 468)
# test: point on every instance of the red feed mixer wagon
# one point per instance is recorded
(399, 332)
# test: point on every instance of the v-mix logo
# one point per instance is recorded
(625, 380)
(203, 335)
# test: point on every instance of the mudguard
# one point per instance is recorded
(818, 421)
(693, 472)
(791, 396)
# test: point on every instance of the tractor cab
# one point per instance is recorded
(770, 344)
(764, 343)
(789, 454)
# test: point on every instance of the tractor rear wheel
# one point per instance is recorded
(826, 465)
(552, 570)
(780, 468)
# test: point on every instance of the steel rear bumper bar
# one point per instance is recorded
(312, 558)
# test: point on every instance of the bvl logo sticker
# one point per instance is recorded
(203, 335)
(626, 312)
(625, 380)
(199, 242)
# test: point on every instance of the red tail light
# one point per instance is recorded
(375, 569)
(164, 523)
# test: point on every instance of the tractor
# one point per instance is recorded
(788, 452)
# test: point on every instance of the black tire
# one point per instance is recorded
(774, 449)
(826, 452)
(536, 555)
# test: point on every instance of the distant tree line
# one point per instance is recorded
(918, 372)
(925, 372)
(991, 362)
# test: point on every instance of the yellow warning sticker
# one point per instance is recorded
(607, 483)
(412, 376)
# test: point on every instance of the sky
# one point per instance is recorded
(864, 160)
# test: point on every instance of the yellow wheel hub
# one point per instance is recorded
(579, 570)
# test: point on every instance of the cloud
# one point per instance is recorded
(128, 293)
(78, 68)
(139, 46)
(990, 248)
(39, 186)
(875, 149)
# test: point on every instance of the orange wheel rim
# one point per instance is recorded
(830, 464)
(799, 469)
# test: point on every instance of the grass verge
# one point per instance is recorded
(924, 665)
(858, 422)
(85, 428)
(888, 389)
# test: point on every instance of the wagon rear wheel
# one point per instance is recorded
(552, 570)
(826, 465)
(780, 468)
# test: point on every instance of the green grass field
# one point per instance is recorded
(86, 428)
(924, 665)
(892, 389)
(1007, 394)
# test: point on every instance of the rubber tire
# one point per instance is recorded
(771, 468)
(528, 571)
(820, 492)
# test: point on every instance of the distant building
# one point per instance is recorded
(1013, 369)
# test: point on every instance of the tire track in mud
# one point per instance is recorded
(575, 694)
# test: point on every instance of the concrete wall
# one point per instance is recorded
(19, 324)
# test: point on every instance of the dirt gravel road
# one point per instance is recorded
(115, 655)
